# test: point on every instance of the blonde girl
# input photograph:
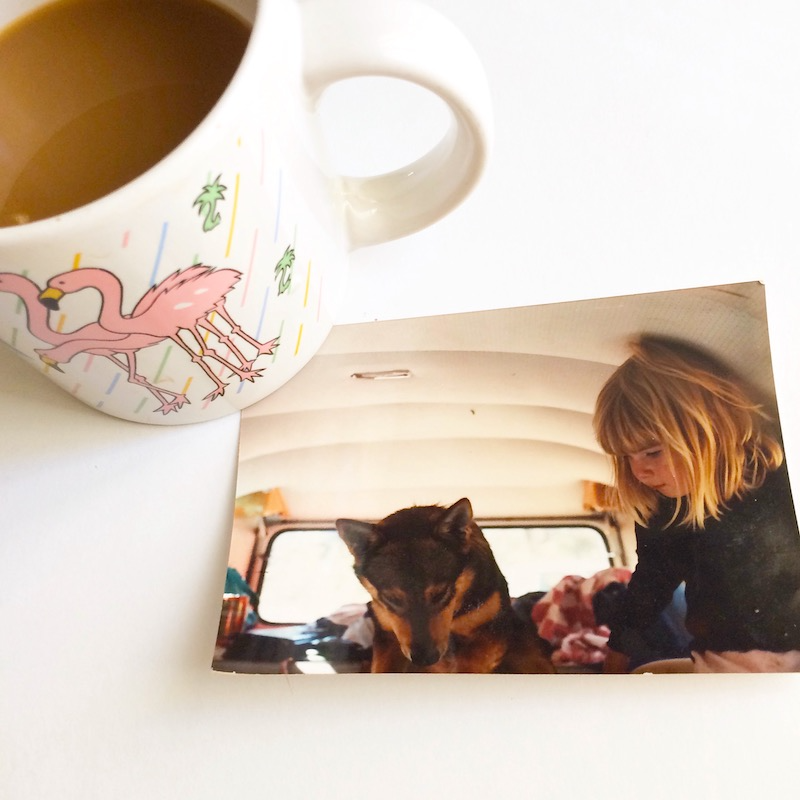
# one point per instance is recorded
(699, 466)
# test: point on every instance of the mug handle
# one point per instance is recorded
(409, 40)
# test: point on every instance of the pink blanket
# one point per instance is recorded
(565, 617)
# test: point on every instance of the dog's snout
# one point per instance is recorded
(424, 655)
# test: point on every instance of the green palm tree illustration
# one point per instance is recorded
(284, 269)
(207, 201)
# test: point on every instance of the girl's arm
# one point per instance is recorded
(661, 568)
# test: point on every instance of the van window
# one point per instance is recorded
(309, 572)
(534, 559)
(308, 575)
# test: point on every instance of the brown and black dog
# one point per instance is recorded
(439, 600)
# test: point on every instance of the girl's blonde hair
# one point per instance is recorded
(670, 394)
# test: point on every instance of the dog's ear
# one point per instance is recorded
(358, 536)
(456, 523)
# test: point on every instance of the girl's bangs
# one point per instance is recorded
(626, 428)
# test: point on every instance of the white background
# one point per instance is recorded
(639, 146)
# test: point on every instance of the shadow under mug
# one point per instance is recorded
(134, 306)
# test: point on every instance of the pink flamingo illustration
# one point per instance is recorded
(186, 300)
(92, 339)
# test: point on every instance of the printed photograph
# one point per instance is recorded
(586, 487)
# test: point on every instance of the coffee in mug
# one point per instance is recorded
(95, 92)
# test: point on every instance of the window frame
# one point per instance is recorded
(603, 524)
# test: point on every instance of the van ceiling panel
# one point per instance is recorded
(497, 408)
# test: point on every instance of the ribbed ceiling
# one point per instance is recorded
(498, 405)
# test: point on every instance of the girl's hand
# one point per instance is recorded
(615, 663)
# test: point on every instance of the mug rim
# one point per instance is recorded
(184, 150)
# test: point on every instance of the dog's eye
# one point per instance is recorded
(394, 602)
(439, 596)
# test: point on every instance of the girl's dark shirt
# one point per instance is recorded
(742, 574)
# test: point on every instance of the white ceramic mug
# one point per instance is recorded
(136, 307)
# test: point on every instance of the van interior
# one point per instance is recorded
(495, 406)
